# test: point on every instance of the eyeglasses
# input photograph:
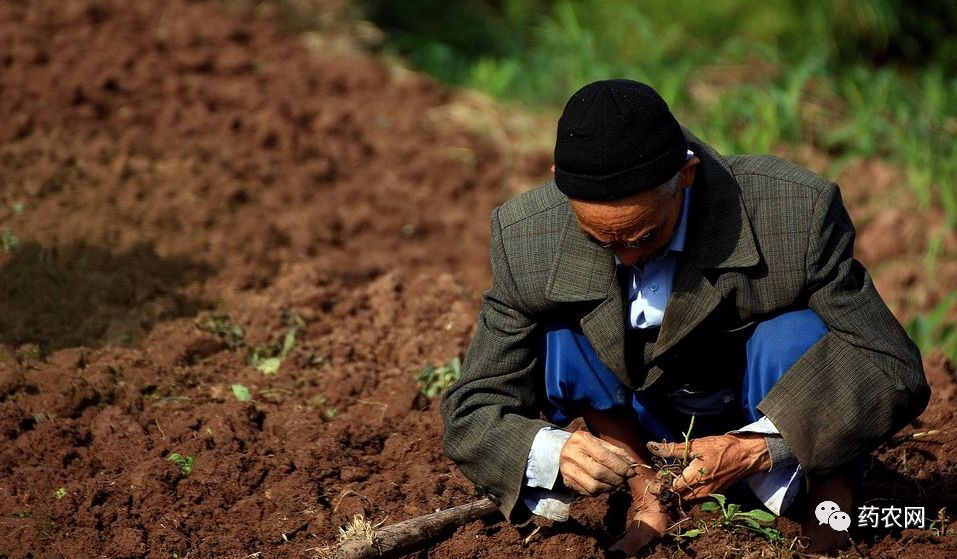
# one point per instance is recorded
(637, 243)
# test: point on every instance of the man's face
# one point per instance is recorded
(648, 219)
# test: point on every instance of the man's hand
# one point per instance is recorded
(717, 462)
(591, 466)
(647, 519)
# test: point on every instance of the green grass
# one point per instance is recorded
(933, 331)
(865, 79)
(852, 79)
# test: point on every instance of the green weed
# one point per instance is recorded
(60, 493)
(241, 392)
(733, 518)
(221, 325)
(184, 463)
(269, 356)
(933, 331)
(8, 241)
(434, 380)
(689, 534)
(266, 357)
(28, 352)
(938, 526)
(746, 77)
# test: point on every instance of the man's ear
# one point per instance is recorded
(687, 172)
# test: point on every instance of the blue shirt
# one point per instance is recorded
(649, 285)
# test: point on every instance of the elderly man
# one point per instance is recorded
(655, 281)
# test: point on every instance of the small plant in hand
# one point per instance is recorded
(184, 463)
(668, 470)
(733, 518)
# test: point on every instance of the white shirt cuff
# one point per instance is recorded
(553, 505)
(541, 472)
(543, 458)
(777, 488)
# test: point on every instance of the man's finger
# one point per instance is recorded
(668, 450)
(694, 482)
(687, 478)
(611, 456)
(580, 481)
(620, 453)
(601, 472)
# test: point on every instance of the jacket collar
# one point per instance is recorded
(719, 237)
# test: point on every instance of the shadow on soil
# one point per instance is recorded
(884, 487)
(86, 296)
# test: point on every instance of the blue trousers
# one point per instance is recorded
(574, 377)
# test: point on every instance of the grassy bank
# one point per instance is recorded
(868, 79)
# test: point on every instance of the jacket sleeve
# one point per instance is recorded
(489, 411)
(863, 381)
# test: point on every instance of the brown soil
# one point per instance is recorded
(165, 161)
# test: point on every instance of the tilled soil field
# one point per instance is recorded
(190, 185)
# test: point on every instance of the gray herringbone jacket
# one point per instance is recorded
(764, 236)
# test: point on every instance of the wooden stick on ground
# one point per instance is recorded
(413, 534)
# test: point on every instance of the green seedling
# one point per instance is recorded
(184, 463)
(434, 380)
(687, 457)
(28, 352)
(8, 241)
(733, 518)
(938, 526)
(689, 534)
(670, 469)
(269, 356)
(222, 326)
(60, 493)
(241, 392)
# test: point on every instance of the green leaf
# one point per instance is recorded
(733, 509)
(434, 380)
(718, 497)
(184, 463)
(770, 534)
(747, 520)
(710, 506)
(759, 515)
(270, 365)
(694, 533)
(288, 342)
(241, 393)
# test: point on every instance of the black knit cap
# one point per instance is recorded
(616, 138)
